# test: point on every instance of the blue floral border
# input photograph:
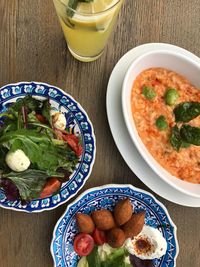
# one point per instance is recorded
(76, 113)
(106, 197)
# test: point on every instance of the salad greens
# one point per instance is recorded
(46, 111)
(49, 157)
(37, 146)
(3, 152)
(116, 258)
(93, 258)
(29, 183)
(186, 111)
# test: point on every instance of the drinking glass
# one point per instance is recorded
(88, 27)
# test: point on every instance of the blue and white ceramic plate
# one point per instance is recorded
(77, 121)
(106, 197)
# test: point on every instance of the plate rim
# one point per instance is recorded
(94, 149)
(98, 188)
(133, 54)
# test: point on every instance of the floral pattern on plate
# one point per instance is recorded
(106, 197)
(77, 121)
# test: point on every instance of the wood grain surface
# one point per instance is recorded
(32, 47)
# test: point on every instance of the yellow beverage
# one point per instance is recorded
(88, 27)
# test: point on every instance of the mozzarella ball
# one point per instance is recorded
(17, 161)
(59, 120)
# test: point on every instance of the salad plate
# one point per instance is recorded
(120, 133)
(106, 197)
(79, 124)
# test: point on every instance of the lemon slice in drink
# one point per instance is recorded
(95, 6)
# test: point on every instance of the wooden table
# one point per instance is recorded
(32, 47)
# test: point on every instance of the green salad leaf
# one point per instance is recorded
(49, 157)
(3, 152)
(186, 111)
(93, 258)
(28, 101)
(46, 111)
(29, 183)
(43, 153)
(115, 258)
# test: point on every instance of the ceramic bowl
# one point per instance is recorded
(106, 197)
(169, 60)
(77, 121)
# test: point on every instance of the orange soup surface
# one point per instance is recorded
(185, 163)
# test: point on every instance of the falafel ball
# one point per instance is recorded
(103, 219)
(134, 226)
(123, 211)
(116, 237)
(85, 223)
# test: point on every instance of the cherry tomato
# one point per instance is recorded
(41, 118)
(73, 142)
(83, 244)
(99, 237)
(51, 186)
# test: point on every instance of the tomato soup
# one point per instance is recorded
(147, 107)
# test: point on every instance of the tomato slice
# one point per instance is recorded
(71, 139)
(73, 142)
(83, 244)
(58, 134)
(51, 186)
(41, 118)
(99, 237)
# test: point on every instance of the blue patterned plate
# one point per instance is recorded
(77, 121)
(106, 197)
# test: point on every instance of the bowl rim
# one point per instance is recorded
(130, 123)
(83, 194)
(94, 148)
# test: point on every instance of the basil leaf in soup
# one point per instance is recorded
(175, 138)
(148, 92)
(185, 145)
(161, 123)
(187, 111)
(190, 134)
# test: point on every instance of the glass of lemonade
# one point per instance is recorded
(87, 25)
